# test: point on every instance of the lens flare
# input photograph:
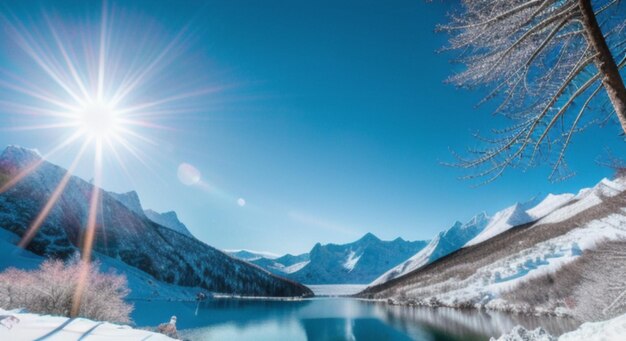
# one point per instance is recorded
(188, 174)
(106, 81)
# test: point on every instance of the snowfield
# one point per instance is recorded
(334, 290)
(55, 328)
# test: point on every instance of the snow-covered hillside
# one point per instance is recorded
(577, 233)
(480, 228)
(122, 234)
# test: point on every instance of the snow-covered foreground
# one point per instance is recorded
(611, 330)
(53, 328)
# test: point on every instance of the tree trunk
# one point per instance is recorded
(611, 79)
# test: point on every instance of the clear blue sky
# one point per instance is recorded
(331, 120)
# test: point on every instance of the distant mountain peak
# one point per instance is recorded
(369, 237)
(480, 217)
(130, 200)
(168, 219)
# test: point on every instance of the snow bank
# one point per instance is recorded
(611, 330)
(56, 328)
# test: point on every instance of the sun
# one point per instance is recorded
(98, 120)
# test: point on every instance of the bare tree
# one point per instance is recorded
(51, 289)
(554, 66)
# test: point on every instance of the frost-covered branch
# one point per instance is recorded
(546, 62)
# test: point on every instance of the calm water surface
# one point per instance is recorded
(332, 319)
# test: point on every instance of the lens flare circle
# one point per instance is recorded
(188, 174)
(241, 202)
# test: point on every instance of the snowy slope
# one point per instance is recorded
(443, 244)
(35, 327)
(587, 198)
(169, 220)
(549, 204)
(141, 284)
(480, 274)
(121, 234)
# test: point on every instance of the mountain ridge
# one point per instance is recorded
(129, 236)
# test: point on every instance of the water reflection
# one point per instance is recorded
(333, 319)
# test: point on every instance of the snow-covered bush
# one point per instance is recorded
(54, 289)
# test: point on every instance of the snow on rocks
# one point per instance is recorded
(351, 261)
(33, 327)
(520, 333)
(611, 330)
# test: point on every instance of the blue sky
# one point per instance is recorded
(330, 120)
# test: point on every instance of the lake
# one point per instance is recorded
(332, 319)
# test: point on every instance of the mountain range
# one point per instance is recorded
(358, 262)
(123, 234)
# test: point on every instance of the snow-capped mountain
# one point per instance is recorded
(359, 262)
(168, 219)
(565, 260)
(443, 244)
(503, 220)
(122, 235)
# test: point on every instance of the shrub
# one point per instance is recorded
(52, 289)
